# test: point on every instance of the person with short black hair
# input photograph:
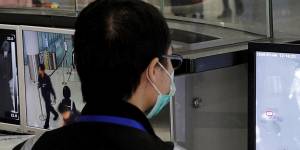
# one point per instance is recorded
(126, 67)
(44, 82)
(67, 108)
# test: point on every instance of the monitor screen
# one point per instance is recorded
(53, 89)
(9, 97)
(277, 89)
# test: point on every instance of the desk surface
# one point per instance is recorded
(8, 142)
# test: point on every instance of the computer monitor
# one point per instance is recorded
(9, 91)
(52, 86)
(274, 96)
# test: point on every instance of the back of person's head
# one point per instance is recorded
(5, 47)
(66, 92)
(42, 67)
(63, 107)
(115, 40)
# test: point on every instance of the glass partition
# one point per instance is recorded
(69, 5)
(211, 23)
(217, 22)
(286, 19)
(250, 17)
(15, 3)
(82, 3)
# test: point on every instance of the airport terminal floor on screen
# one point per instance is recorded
(277, 100)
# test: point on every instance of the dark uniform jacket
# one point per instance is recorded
(104, 136)
(46, 86)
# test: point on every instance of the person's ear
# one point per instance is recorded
(152, 69)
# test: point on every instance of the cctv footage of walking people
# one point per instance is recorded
(9, 97)
(53, 89)
(277, 101)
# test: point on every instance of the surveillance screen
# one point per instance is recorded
(277, 101)
(9, 107)
(53, 89)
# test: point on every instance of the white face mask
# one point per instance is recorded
(162, 99)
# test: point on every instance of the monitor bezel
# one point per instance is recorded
(26, 128)
(252, 49)
(9, 126)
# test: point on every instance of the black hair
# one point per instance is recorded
(5, 47)
(114, 42)
(63, 107)
(66, 92)
(65, 104)
(42, 67)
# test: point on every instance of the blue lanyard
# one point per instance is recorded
(113, 120)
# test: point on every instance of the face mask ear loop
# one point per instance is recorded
(170, 76)
(153, 85)
(165, 70)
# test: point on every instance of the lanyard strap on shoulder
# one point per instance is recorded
(114, 120)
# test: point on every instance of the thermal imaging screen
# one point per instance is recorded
(277, 101)
(53, 89)
(9, 107)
